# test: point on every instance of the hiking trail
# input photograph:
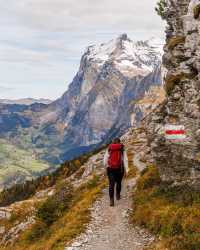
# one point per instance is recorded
(109, 228)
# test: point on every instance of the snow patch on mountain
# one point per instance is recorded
(131, 58)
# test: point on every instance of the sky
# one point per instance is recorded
(41, 41)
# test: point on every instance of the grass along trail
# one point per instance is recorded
(109, 228)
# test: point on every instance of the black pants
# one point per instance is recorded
(115, 176)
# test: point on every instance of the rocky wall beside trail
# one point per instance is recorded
(179, 161)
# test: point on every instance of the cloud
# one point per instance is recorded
(4, 89)
(41, 42)
(66, 15)
(13, 55)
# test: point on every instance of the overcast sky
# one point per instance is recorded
(41, 41)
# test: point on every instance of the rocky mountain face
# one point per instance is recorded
(179, 161)
(97, 106)
(104, 99)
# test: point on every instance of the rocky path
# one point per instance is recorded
(109, 228)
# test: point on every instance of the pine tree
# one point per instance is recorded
(160, 8)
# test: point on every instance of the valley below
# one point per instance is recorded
(18, 165)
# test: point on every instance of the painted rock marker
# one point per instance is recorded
(175, 132)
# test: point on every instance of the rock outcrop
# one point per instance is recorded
(179, 161)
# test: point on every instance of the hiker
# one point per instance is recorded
(116, 162)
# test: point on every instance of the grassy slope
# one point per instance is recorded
(172, 213)
(70, 222)
(17, 164)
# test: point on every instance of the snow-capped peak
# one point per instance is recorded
(131, 58)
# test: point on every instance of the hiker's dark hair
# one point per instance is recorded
(116, 140)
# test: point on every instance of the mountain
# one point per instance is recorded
(25, 101)
(100, 103)
(169, 196)
(96, 105)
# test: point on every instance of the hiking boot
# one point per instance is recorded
(118, 197)
(112, 202)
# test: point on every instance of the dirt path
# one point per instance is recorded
(109, 228)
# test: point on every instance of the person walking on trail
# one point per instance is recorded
(116, 162)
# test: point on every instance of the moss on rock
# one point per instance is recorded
(171, 81)
(174, 41)
(196, 11)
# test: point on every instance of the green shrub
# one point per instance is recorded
(93, 182)
(53, 207)
(47, 212)
(149, 178)
(36, 231)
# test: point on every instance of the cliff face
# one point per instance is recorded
(96, 105)
(179, 161)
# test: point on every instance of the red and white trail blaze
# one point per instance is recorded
(173, 132)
